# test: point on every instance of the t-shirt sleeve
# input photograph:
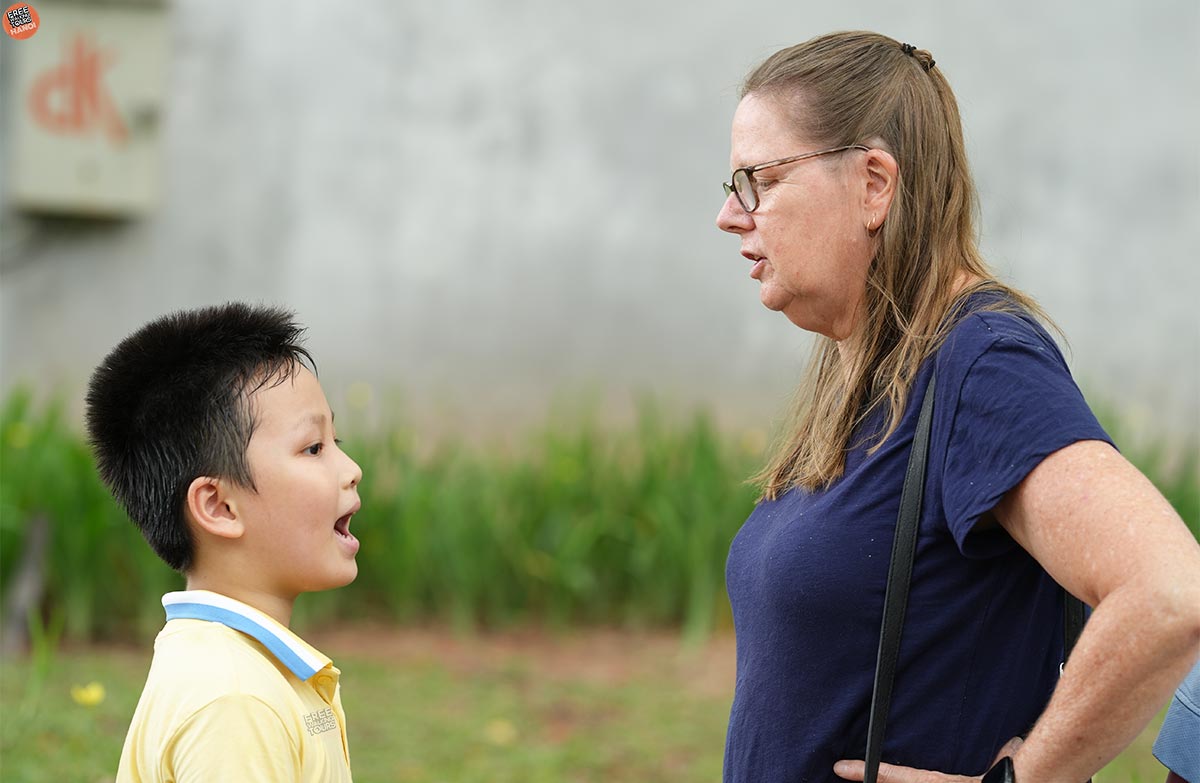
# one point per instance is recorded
(235, 737)
(1178, 743)
(1016, 405)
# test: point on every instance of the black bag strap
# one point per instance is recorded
(895, 602)
(1073, 618)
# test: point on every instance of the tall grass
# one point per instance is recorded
(97, 569)
(575, 523)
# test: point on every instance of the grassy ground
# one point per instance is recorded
(430, 706)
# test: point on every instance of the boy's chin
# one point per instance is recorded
(352, 575)
(342, 577)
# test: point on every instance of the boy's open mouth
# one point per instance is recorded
(342, 526)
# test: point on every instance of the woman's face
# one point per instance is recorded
(808, 239)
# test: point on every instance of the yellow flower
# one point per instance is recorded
(500, 732)
(88, 695)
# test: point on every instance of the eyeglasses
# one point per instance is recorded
(742, 182)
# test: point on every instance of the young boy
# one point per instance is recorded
(213, 433)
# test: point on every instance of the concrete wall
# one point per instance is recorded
(485, 204)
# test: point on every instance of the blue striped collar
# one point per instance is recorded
(293, 652)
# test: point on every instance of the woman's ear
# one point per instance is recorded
(882, 178)
(211, 508)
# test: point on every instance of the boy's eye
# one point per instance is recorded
(314, 449)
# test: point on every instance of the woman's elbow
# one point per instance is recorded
(1177, 607)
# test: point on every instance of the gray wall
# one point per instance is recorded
(487, 204)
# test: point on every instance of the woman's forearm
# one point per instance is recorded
(1137, 646)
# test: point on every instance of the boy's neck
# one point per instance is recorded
(277, 607)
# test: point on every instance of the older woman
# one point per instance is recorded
(853, 202)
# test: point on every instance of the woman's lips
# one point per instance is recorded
(759, 263)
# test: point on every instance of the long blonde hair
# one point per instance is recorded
(851, 87)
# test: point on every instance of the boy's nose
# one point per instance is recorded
(354, 474)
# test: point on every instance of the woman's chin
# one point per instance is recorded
(772, 298)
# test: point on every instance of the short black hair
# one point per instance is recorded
(172, 403)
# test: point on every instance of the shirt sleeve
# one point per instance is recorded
(1017, 404)
(235, 737)
(1178, 743)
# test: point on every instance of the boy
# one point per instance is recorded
(213, 433)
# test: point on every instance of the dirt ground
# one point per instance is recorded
(598, 656)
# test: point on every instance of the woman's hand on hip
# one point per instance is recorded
(890, 773)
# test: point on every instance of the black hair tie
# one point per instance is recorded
(911, 51)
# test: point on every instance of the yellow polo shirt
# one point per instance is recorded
(233, 695)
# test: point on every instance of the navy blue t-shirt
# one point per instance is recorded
(982, 639)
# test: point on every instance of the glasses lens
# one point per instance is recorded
(743, 185)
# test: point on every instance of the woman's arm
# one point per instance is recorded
(1102, 530)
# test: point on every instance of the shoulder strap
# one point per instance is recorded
(895, 602)
(1073, 620)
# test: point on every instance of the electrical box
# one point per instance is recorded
(86, 109)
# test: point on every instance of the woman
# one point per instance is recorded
(853, 201)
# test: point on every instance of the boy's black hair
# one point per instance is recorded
(172, 403)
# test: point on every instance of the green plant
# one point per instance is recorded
(576, 523)
(573, 523)
(97, 570)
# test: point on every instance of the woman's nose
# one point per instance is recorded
(732, 217)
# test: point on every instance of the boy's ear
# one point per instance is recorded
(212, 509)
